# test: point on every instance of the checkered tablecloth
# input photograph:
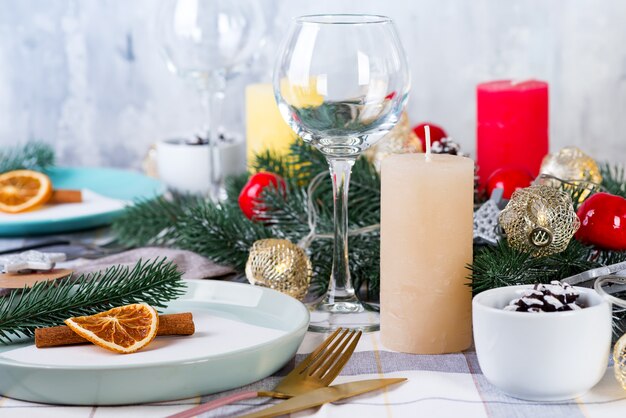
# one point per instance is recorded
(439, 386)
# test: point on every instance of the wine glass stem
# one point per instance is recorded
(340, 286)
(212, 100)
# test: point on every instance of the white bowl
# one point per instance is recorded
(185, 168)
(545, 356)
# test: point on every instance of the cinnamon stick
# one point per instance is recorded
(66, 196)
(172, 324)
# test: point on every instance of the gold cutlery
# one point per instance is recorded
(321, 396)
(317, 370)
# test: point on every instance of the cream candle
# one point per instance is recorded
(426, 244)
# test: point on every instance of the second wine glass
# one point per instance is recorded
(209, 42)
(341, 82)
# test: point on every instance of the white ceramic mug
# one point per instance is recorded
(184, 167)
(545, 356)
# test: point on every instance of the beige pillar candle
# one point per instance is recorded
(426, 244)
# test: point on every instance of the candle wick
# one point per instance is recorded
(427, 134)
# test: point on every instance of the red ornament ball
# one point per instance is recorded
(436, 133)
(509, 179)
(603, 221)
(250, 196)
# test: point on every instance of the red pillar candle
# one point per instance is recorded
(512, 126)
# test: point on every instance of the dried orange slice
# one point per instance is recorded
(23, 190)
(124, 330)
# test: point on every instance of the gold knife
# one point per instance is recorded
(323, 395)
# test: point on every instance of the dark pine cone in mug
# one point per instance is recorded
(553, 297)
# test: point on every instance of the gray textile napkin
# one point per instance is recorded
(192, 265)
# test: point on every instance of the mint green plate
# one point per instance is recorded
(111, 183)
(243, 334)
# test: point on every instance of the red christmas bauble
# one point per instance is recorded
(250, 196)
(603, 222)
(509, 179)
(436, 133)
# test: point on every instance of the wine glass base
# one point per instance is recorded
(352, 314)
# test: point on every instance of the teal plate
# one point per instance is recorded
(243, 334)
(109, 183)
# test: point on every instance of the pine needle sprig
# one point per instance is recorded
(607, 257)
(233, 186)
(614, 179)
(501, 265)
(220, 233)
(152, 221)
(272, 162)
(286, 210)
(49, 303)
(306, 161)
(31, 156)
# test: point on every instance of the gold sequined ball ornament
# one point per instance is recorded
(571, 165)
(280, 265)
(619, 358)
(540, 220)
(400, 140)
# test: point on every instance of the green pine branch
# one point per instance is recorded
(152, 221)
(220, 233)
(614, 179)
(50, 303)
(272, 162)
(502, 265)
(31, 156)
(224, 235)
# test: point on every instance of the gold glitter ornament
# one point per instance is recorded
(400, 140)
(571, 165)
(619, 358)
(540, 220)
(280, 265)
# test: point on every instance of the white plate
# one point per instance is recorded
(243, 334)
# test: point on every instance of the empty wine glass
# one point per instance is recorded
(209, 42)
(341, 82)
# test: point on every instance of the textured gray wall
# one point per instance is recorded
(87, 77)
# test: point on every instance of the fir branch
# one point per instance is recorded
(152, 221)
(502, 265)
(307, 161)
(607, 257)
(273, 162)
(285, 211)
(31, 156)
(233, 186)
(220, 233)
(614, 179)
(50, 303)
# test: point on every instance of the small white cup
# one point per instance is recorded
(184, 167)
(545, 356)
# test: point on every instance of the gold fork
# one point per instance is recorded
(317, 370)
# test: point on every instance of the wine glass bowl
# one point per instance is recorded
(341, 82)
(199, 38)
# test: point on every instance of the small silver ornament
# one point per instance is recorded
(486, 223)
(30, 260)
(486, 230)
